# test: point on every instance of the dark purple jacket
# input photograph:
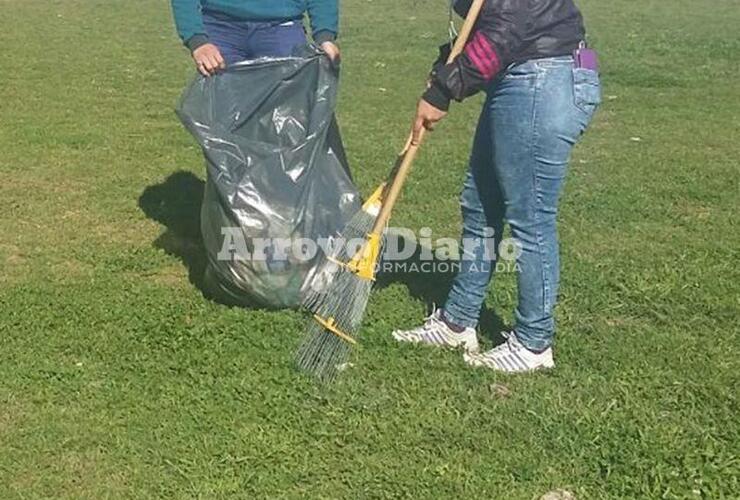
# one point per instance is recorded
(507, 32)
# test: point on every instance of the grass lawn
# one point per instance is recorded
(118, 379)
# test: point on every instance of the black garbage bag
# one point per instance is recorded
(277, 175)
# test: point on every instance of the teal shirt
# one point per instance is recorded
(323, 15)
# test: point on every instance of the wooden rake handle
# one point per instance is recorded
(406, 157)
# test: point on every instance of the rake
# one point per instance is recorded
(342, 286)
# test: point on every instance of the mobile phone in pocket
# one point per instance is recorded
(586, 58)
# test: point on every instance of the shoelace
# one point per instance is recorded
(430, 320)
(430, 323)
(511, 344)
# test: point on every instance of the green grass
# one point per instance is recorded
(118, 379)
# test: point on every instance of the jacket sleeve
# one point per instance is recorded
(324, 18)
(189, 23)
(495, 40)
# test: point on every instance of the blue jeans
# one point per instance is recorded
(532, 117)
(240, 40)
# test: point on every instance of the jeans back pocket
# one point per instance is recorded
(586, 90)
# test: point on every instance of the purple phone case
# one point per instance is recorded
(586, 58)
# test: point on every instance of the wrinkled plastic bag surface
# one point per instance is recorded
(276, 169)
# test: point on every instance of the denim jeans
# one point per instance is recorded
(240, 40)
(532, 117)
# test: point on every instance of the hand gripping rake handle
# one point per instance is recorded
(406, 157)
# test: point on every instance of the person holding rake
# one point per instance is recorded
(542, 89)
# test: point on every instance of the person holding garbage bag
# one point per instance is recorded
(262, 111)
(542, 89)
(223, 32)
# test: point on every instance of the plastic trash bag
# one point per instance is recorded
(276, 171)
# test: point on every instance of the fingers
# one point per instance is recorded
(421, 124)
(215, 64)
(208, 60)
(204, 65)
(202, 68)
(427, 117)
(417, 131)
(331, 50)
(209, 64)
(220, 63)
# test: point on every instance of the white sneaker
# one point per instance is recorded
(512, 357)
(435, 332)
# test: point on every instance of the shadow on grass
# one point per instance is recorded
(432, 287)
(175, 203)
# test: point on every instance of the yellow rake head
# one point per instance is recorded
(373, 203)
(331, 325)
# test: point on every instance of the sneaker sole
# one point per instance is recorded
(465, 345)
(469, 362)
